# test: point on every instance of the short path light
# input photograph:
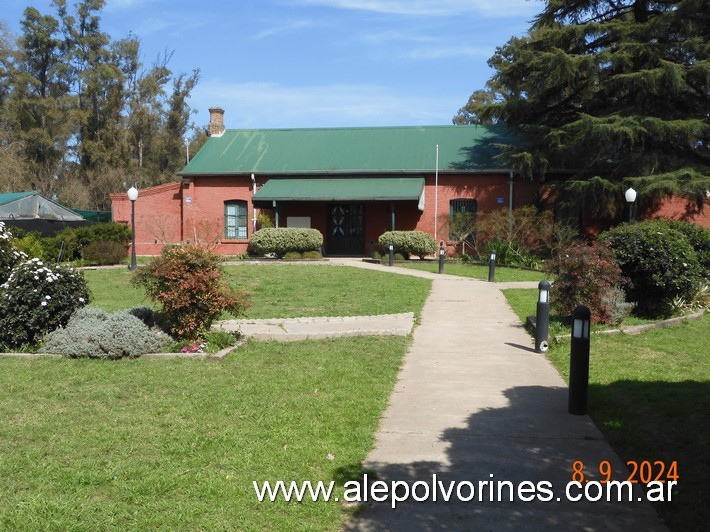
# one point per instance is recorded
(441, 256)
(542, 318)
(579, 361)
(133, 196)
(630, 196)
(492, 267)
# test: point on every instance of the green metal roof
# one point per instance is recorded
(332, 189)
(349, 150)
(9, 197)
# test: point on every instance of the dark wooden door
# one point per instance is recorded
(346, 229)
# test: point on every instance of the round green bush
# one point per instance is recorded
(408, 242)
(283, 240)
(36, 299)
(659, 261)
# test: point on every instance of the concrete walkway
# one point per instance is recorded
(474, 403)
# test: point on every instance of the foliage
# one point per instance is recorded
(37, 299)
(590, 276)
(9, 254)
(103, 253)
(613, 92)
(699, 239)
(660, 263)
(70, 93)
(94, 333)
(520, 238)
(187, 281)
(264, 220)
(409, 242)
(283, 240)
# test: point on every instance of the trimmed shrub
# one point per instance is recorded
(284, 240)
(187, 282)
(293, 255)
(409, 242)
(104, 252)
(699, 239)
(660, 263)
(36, 299)
(94, 333)
(590, 276)
(312, 255)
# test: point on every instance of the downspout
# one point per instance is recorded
(392, 214)
(276, 213)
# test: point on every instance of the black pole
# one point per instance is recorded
(441, 257)
(579, 361)
(132, 267)
(492, 267)
(542, 318)
(391, 255)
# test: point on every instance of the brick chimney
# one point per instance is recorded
(216, 127)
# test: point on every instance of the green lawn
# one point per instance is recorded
(288, 290)
(175, 445)
(503, 274)
(650, 395)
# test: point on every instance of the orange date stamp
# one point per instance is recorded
(643, 472)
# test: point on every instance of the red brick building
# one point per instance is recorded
(352, 184)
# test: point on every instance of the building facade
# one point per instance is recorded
(352, 184)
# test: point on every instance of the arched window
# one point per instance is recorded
(235, 219)
(462, 216)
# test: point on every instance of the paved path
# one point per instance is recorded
(474, 403)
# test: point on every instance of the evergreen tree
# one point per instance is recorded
(616, 92)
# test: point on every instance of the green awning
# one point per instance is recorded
(343, 189)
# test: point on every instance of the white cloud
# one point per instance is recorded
(271, 105)
(490, 8)
(292, 26)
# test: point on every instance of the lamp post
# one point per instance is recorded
(630, 196)
(133, 196)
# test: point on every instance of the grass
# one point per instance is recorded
(288, 290)
(175, 445)
(503, 274)
(650, 396)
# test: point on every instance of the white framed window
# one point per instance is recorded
(235, 219)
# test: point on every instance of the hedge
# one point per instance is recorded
(409, 242)
(283, 240)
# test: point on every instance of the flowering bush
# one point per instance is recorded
(9, 254)
(36, 299)
(590, 276)
(187, 282)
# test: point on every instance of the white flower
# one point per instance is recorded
(48, 297)
(44, 303)
(81, 300)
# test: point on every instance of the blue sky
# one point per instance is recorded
(319, 63)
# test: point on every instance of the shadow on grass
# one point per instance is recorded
(532, 439)
(665, 421)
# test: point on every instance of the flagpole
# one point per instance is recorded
(436, 190)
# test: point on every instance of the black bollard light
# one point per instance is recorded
(579, 361)
(391, 254)
(542, 317)
(441, 257)
(492, 267)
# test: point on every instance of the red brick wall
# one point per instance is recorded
(157, 216)
(175, 213)
(679, 209)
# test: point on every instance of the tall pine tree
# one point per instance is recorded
(616, 92)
